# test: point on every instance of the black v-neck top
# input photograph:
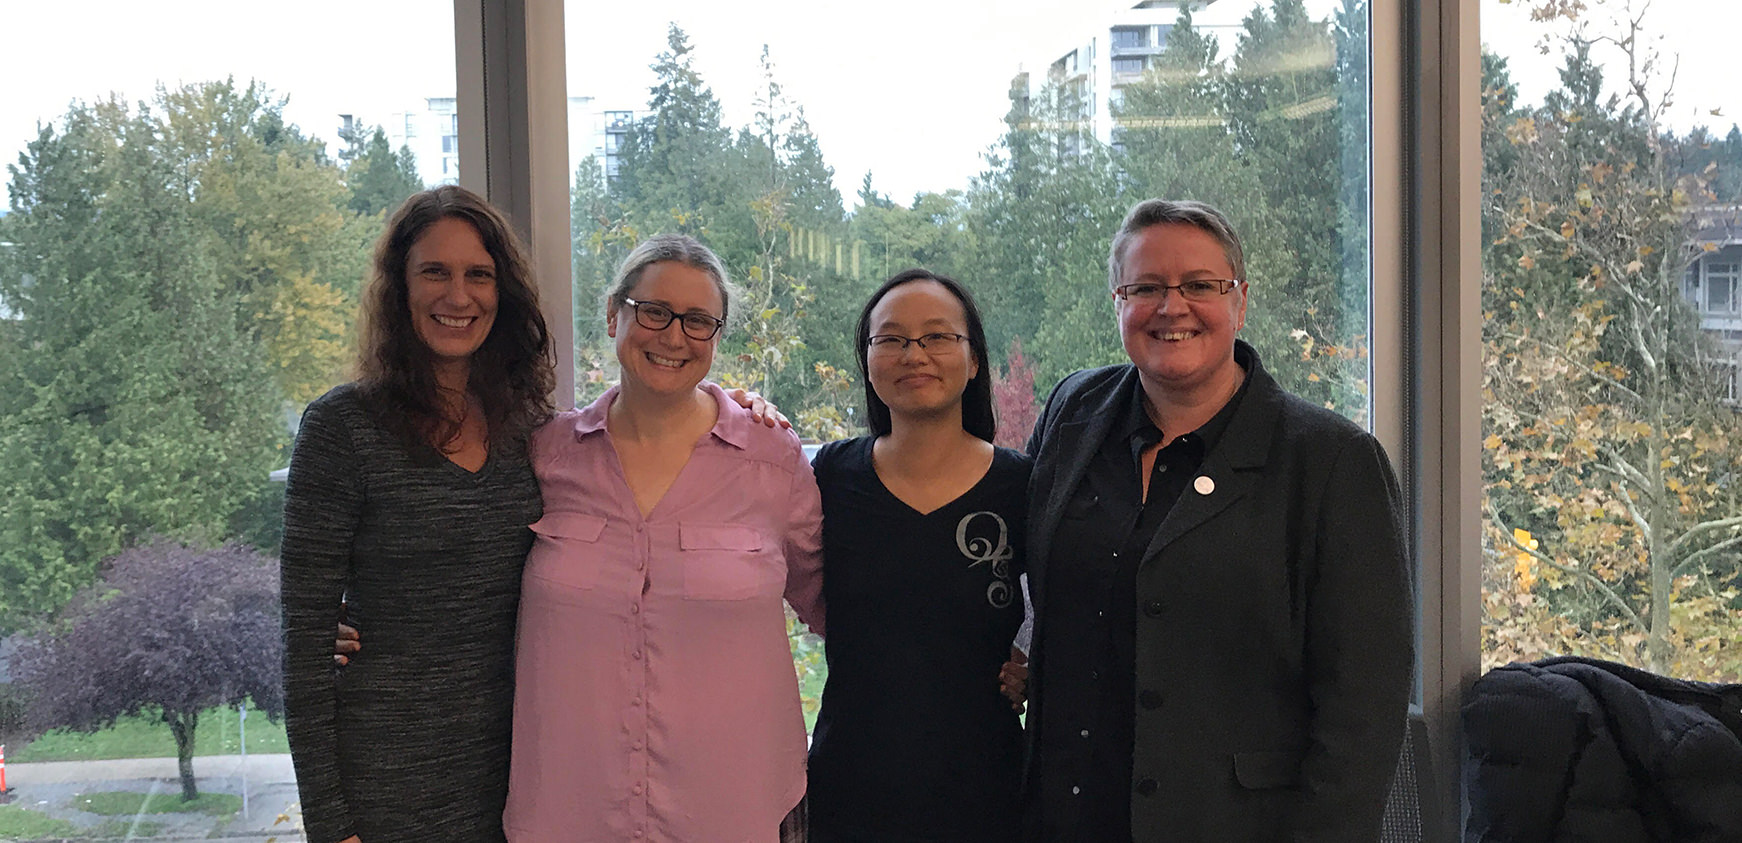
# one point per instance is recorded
(914, 741)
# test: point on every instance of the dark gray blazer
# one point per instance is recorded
(1274, 618)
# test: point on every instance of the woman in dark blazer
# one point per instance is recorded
(1222, 648)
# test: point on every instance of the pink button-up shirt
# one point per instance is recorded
(655, 696)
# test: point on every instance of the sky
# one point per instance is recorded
(912, 90)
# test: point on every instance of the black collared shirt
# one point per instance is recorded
(1089, 647)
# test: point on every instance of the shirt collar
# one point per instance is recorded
(733, 426)
(1135, 426)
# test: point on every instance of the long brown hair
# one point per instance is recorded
(512, 373)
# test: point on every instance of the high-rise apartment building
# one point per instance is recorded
(1087, 80)
(432, 134)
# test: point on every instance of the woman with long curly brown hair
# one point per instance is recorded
(408, 504)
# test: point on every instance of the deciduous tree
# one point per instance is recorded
(1610, 473)
(171, 630)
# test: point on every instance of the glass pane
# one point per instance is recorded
(817, 169)
(1612, 177)
(193, 194)
(1720, 287)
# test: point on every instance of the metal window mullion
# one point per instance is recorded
(513, 126)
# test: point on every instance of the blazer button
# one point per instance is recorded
(1148, 787)
(1152, 608)
(1149, 699)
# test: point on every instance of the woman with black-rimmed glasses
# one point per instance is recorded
(922, 529)
(655, 697)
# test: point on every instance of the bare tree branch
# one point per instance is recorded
(1694, 559)
(1563, 357)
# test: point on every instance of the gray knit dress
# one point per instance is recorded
(410, 741)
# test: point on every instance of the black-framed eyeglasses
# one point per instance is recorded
(1152, 292)
(655, 317)
(936, 342)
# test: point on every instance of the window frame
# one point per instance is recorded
(1713, 281)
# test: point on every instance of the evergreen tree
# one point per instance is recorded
(869, 197)
(136, 403)
(381, 179)
(679, 170)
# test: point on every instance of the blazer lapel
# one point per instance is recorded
(1077, 438)
(1229, 471)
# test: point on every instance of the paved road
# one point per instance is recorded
(50, 787)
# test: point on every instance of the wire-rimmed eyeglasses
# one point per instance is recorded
(655, 317)
(936, 342)
(1152, 292)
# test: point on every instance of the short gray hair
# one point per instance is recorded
(679, 248)
(1153, 212)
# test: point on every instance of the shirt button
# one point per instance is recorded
(636, 655)
(636, 790)
(1085, 733)
(636, 746)
(1148, 787)
(1150, 699)
(1094, 674)
(636, 701)
(635, 608)
(640, 528)
(1153, 608)
(1161, 469)
(638, 834)
(1075, 790)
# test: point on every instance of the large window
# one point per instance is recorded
(816, 180)
(1720, 284)
(1130, 36)
(192, 196)
(1610, 431)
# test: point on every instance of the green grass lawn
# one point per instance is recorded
(112, 803)
(24, 824)
(147, 736)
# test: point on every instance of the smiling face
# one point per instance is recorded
(666, 361)
(915, 381)
(450, 285)
(1179, 345)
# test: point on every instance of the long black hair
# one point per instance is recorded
(977, 416)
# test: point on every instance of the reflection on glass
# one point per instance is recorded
(1610, 339)
(781, 156)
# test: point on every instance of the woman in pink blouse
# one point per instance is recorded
(655, 697)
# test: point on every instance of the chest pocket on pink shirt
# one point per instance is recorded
(566, 551)
(728, 562)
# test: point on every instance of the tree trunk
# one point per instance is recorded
(183, 725)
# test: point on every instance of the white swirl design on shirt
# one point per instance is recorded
(981, 549)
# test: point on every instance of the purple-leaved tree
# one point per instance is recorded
(170, 629)
(1013, 399)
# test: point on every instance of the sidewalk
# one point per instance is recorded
(50, 786)
(262, 769)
